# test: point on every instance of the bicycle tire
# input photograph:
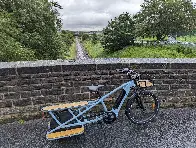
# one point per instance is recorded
(132, 102)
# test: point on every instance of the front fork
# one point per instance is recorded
(138, 98)
(139, 102)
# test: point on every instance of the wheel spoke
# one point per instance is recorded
(142, 109)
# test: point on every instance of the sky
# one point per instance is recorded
(93, 15)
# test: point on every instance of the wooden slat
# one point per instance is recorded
(144, 83)
(64, 106)
(67, 133)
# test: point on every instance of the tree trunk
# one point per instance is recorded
(160, 37)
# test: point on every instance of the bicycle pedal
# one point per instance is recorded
(66, 133)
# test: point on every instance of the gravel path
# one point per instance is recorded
(81, 54)
(174, 128)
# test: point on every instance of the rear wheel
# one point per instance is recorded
(142, 108)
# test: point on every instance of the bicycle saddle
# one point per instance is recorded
(94, 88)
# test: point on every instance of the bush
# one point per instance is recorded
(37, 24)
(94, 38)
(67, 37)
(10, 48)
(85, 37)
(94, 50)
(119, 33)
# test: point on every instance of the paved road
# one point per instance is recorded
(81, 54)
(174, 128)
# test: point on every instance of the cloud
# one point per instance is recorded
(94, 14)
(116, 9)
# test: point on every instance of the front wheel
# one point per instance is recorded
(142, 107)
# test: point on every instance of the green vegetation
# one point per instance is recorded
(10, 48)
(85, 37)
(69, 46)
(94, 50)
(30, 30)
(172, 51)
(161, 18)
(94, 38)
(71, 53)
(67, 37)
(146, 39)
(21, 121)
(155, 21)
(149, 38)
(187, 38)
(119, 33)
(154, 52)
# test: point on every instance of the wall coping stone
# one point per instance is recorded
(93, 61)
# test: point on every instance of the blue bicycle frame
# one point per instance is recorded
(83, 109)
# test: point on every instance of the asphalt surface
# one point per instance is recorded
(81, 54)
(173, 128)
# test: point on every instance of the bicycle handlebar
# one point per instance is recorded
(131, 73)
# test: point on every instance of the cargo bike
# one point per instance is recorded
(69, 119)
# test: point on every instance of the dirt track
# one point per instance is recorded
(81, 54)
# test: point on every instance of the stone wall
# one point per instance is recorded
(27, 86)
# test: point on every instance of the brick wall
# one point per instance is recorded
(26, 86)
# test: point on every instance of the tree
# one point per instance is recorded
(85, 37)
(39, 24)
(80, 34)
(119, 32)
(67, 37)
(94, 38)
(10, 48)
(160, 18)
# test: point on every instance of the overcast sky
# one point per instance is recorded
(87, 15)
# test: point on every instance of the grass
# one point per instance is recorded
(170, 51)
(149, 39)
(151, 52)
(21, 121)
(187, 38)
(94, 50)
(71, 53)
